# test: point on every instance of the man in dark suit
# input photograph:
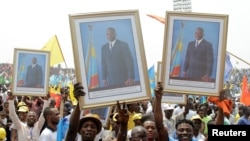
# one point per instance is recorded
(117, 61)
(199, 58)
(34, 75)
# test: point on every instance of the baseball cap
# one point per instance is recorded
(2, 133)
(23, 109)
(21, 104)
(196, 117)
(93, 117)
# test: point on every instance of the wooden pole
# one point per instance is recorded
(238, 58)
(61, 52)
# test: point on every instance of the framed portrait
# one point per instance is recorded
(168, 97)
(104, 113)
(174, 98)
(194, 53)
(31, 72)
(109, 57)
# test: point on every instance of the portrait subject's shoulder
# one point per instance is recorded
(207, 42)
(120, 42)
(191, 42)
(105, 45)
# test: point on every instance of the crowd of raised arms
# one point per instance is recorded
(30, 118)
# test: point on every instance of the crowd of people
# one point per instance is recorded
(29, 118)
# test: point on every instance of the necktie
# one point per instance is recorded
(110, 47)
(196, 44)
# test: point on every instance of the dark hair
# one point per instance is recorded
(201, 29)
(47, 111)
(204, 104)
(138, 128)
(245, 109)
(147, 117)
(184, 121)
(112, 30)
(241, 107)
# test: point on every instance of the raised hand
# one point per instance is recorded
(159, 90)
(78, 90)
(122, 117)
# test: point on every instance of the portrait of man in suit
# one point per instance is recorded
(34, 75)
(116, 61)
(199, 58)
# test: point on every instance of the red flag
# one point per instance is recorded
(226, 105)
(57, 98)
(245, 94)
(55, 94)
(158, 18)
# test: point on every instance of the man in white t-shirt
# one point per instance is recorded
(52, 117)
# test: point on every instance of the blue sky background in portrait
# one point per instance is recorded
(25, 59)
(211, 34)
(124, 32)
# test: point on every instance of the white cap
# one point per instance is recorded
(167, 107)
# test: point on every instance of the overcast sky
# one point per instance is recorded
(30, 24)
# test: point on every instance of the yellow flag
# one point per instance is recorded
(71, 94)
(56, 55)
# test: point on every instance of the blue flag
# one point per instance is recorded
(62, 128)
(151, 76)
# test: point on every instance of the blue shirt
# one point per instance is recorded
(243, 121)
(172, 139)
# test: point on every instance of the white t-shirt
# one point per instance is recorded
(178, 110)
(200, 137)
(48, 135)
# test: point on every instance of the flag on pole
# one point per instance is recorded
(175, 65)
(151, 76)
(91, 64)
(228, 68)
(62, 126)
(71, 94)
(245, 94)
(59, 135)
(56, 55)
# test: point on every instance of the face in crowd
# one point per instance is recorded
(151, 129)
(89, 130)
(184, 130)
(31, 118)
(139, 134)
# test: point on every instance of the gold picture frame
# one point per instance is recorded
(91, 55)
(189, 69)
(28, 79)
